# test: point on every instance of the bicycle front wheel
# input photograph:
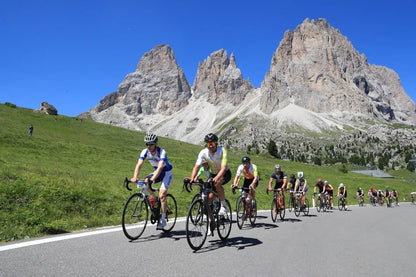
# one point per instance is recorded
(274, 210)
(306, 207)
(135, 216)
(171, 213)
(224, 222)
(296, 207)
(253, 212)
(196, 225)
(241, 213)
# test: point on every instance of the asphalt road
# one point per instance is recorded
(364, 241)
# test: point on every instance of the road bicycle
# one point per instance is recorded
(203, 216)
(341, 203)
(412, 198)
(278, 205)
(389, 201)
(245, 207)
(292, 201)
(360, 200)
(137, 207)
(321, 202)
(299, 206)
(372, 199)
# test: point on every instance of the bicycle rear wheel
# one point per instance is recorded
(253, 213)
(291, 204)
(296, 207)
(224, 222)
(274, 210)
(319, 204)
(171, 213)
(135, 216)
(306, 207)
(196, 225)
(241, 213)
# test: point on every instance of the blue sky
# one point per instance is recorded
(73, 53)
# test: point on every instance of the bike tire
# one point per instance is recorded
(135, 216)
(306, 208)
(291, 204)
(171, 213)
(319, 205)
(195, 197)
(274, 210)
(253, 213)
(224, 223)
(241, 213)
(296, 207)
(282, 212)
(197, 225)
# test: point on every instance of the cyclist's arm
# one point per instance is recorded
(195, 170)
(220, 174)
(256, 177)
(284, 183)
(270, 183)
(236, 181)
(137, 170)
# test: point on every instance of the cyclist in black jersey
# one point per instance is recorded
(281, 180)
(319, 185)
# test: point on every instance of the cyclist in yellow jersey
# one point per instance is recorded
(251, 177)
(219, 171)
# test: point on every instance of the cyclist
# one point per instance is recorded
(281, 181)
(291, 183)
(387, 195)
(301, 187)
(219, 171)
(319, 185)
(251, 177)
(329, 192)
(395, 195)
(380, 195)
(163, 171)
(412, 196)
(372, 194)
(342, 190)
(360, 193)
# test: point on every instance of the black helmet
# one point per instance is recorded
(150, 139)
(292, 176)
(245, 159)
(211, 138)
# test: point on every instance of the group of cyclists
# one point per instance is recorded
(379, 196)
(212, 162)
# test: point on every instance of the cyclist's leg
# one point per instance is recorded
(163, 191)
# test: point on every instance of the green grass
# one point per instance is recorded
(68, 176)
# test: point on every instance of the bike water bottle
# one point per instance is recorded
(152, 201)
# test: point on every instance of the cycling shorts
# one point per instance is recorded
(247, 183)
(165, 177)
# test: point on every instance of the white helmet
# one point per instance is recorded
(326, 182)
(341, 185)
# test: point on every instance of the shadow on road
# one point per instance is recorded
(239, 243)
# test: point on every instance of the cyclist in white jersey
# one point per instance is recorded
(219, 171)
(163, 171)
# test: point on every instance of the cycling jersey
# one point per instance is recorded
(292, 183)
(320, 186)
(251, 173)
(215, 161)
(154, 160)
(203, 171)
(329, 190)
(279, 179)
(302, 184)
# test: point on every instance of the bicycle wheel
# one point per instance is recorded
(241, 213)
(274, 210)
(282, 211)
(319, 204)
(340, 204)
(196, 225)
(296, 207)
(224, 222)
(195, 197)
(253, 213)
(171, 213)
(291, 204)
(135, 216)
(306, 207)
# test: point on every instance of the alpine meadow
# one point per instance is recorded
(69, 174)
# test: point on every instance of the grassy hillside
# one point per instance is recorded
(69, 174)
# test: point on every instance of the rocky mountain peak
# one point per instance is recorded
(219, 78)
(158, 86)
(317, 68)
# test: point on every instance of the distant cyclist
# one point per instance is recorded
(329, 192)
(395, 196)
(301, 187)
(342, 191)
(251, 177)
(291, 183)
(220, 173)
(163, 171)
(281, 180)
(319, 185)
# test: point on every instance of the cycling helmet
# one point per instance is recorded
(277, 167)
(245, 159)
(292, 176)
(319, 180)
(341, 185)
(150, 139)
(326, 182)
(301, 176)
(211, 138)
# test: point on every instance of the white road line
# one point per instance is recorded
(66, 237)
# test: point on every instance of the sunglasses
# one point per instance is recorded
(149, 144)
(211, 144)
